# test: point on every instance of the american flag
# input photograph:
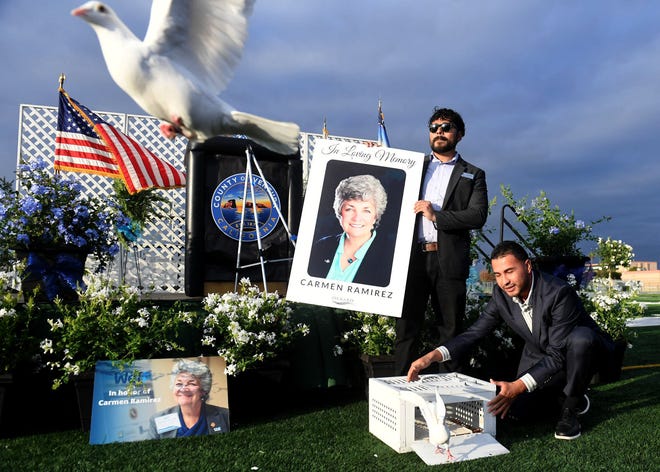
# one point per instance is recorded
(86, 143)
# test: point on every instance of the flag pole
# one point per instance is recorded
(62, 79)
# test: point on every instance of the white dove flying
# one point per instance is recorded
(434, 415)
(185, 60)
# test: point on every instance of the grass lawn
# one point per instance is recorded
(648, 297)
(620, 434)
(652, 310)
(653, 300)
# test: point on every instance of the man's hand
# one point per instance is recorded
(508, 392)
(425, 208)
(422, 363)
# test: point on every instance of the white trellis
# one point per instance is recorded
(159, 259)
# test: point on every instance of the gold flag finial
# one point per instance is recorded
(62, 79)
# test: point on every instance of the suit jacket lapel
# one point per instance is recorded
(537, 309)
(459, 168)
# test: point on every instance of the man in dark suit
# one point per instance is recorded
(563, 345)
(453, 201)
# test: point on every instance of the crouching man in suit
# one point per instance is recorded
(563, 345)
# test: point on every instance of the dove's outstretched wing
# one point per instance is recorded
(204, 36)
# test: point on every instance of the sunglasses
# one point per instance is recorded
(444, 127)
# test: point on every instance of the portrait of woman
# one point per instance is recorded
(359, 253)
(190, 383)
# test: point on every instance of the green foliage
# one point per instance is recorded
(136, 210)
(19, 323)
(550, 232)
(369, 333)
(110, 323)
(248, 326)
(477, 237)
(50, 211)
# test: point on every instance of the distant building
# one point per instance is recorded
(643, 265)
(645, 272)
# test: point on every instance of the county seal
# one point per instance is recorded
(248, 204)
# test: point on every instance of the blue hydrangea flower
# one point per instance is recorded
(30, 206)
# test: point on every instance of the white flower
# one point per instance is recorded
(144, 312)
(141, 322)
(186, 317)
(230, 369)
(47, 346)
(208, 340)
(55, 324)
(303, 328)
(337, 350)
(71, 368)
(7, 312)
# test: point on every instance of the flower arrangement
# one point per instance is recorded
(49, 211)
(612, 254)
(248, 326)
(110, 322)
(369, 333)
(611, 305)
(134, 211)
(550, 232)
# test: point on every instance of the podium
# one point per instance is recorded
(222, 219)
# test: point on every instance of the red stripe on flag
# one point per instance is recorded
(130, 166)
(83, 155)
(140, 168)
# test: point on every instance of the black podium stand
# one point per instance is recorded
(219, 214)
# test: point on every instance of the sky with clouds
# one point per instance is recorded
(558, 96)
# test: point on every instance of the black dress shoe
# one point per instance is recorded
(568, 426)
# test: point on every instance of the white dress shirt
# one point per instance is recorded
(434, 189)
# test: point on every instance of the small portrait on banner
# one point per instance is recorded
(159, 398)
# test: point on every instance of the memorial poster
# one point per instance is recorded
(356, 192)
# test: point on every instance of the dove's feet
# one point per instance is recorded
(168, 130)
(182, 128)
(440, 450)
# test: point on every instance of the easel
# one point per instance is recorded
(251, 159)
